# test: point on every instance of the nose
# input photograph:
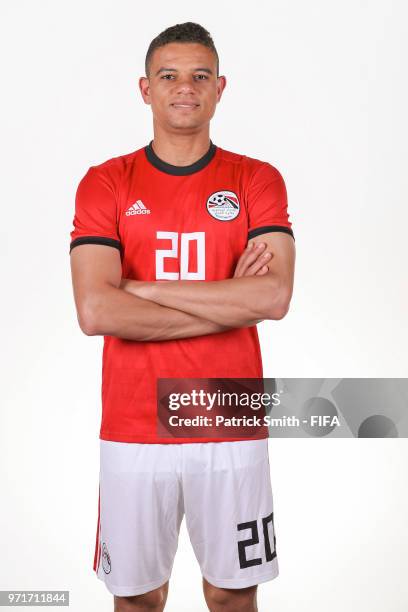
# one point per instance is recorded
(185, 85)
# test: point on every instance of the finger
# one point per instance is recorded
(253, 250)
(258, 264)
(249, 256)
(262, 271)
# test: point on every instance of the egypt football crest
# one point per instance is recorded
(223, 205)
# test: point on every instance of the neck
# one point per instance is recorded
(180, 149)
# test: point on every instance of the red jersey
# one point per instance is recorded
(175, 222)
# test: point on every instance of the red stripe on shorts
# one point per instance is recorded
(97, 554)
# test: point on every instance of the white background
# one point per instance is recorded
(316, 88)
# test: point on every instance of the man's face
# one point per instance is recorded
(183, 88)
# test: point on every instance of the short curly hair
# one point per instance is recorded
(188, 32)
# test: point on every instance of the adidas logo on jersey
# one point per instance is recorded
(138, 208)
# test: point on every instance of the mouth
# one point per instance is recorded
(185, 106)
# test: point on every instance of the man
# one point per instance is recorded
(178, 250)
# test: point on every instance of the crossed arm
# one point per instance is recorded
(261, 288)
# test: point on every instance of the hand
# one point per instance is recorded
(253, 261)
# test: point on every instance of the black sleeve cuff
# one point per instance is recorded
(270, 228)
(96, 240)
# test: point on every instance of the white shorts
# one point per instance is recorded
(224, 490)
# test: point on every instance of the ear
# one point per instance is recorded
(144, 86)
(221, 84)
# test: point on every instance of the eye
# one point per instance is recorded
(204, 77)
(166, 75)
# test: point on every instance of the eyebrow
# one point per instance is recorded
(175, 70)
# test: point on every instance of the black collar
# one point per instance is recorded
(179, 170)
